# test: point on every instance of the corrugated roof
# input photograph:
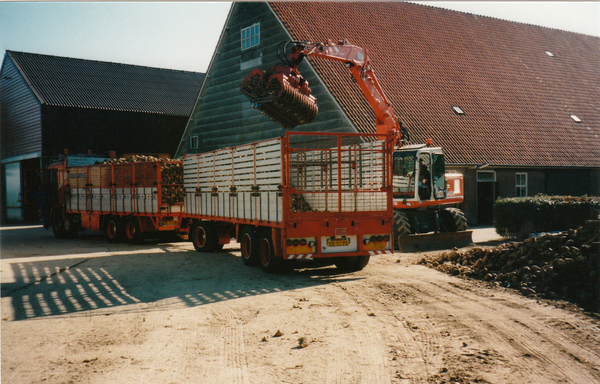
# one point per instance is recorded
(517, 99)
(69, 82)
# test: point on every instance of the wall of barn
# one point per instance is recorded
(20, 115)
(83, 129)
(222, 116)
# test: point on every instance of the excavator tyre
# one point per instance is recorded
(281, 94)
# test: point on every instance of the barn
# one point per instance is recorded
(51, 106)
(515, 106)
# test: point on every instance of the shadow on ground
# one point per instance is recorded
(152, 276)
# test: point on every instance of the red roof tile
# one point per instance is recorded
(518, 100)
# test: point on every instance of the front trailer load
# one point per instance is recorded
(307, 196)
(126, 200)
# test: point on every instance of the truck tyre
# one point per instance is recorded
(132, 231)
(249, 245)
(268, 261)
(453, 219)
(70, 226)
(352, 263)
(203, 237)
(112, 229)
(58, 225)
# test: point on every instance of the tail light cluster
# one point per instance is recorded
(376, 238)
(299, 242)
(377, 242)
(300, 246)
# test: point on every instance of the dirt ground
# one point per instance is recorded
(86, 311)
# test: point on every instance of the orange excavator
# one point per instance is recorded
(425, 196)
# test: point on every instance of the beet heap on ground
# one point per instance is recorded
(554, 266)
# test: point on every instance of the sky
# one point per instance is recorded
(184, 35)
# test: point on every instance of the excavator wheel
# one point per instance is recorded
(454, 219)
(401, 226)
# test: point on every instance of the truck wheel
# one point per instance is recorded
(249, 244)
(454, 219)
(268, 261)
(203, 237)
(352, 263)
(112, 229)
(58, 225)
(132, 231)
(70, 227)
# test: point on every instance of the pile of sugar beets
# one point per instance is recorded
(172, 176)
(561, 266)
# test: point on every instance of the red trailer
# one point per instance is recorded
(309, 196)
(125, 200)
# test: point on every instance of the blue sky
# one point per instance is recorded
(183, 35)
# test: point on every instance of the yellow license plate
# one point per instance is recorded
(338, 243)
(168, 222)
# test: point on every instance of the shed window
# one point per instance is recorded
(193, 142)
(521, 184)
(251, 36)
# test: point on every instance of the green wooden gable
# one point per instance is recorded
(222, 116)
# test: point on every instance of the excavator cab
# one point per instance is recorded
(419, 173)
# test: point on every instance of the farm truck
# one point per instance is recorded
(425, 195)
(126, 199)
(318, 197)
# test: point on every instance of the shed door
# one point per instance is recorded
(14, 210)
(486, 195)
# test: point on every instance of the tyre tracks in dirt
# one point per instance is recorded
(451, 329)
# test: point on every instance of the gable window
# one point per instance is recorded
(193, 142)
(521, 184)
(251, 36)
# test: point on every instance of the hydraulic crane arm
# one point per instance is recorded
(357, 61)
(283, 94)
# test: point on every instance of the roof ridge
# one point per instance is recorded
(104, 62)
(430, 5)
(23, 74)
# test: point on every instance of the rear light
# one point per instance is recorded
(376, 239)
(300, 245)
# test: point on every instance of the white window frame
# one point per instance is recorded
(520, 185)
(193, 144)
(250, 36)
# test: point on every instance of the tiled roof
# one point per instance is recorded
(63, 81)
(517, 84)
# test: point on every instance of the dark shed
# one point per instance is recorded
(50, 104)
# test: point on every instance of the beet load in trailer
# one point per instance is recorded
(126, 200)
(305, 196)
